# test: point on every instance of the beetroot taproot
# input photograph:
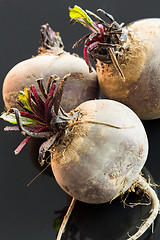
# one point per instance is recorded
(52, 59)
(139, 60)
(95, 162)
(97, 150)
(127, 59)
(101, 156)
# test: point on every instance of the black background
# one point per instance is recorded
(29, 212)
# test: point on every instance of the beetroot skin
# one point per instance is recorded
(128, 59)
(52, 59)
(98, 149)
(95, 163)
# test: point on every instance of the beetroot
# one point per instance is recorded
(101, 155)
(97, 150)
(95, 162)
(51, 60)
(127, 58)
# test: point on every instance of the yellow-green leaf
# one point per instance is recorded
(78, 14)
(24, 98)
(10, 117)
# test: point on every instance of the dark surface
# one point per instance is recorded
(29, 212)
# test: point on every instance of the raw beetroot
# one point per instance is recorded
(52, 59)
(127, 59)
(139, 60)
(102, 155)
(97, 150)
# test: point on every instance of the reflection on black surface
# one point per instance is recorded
(110, 221)
(153, 162)
(27, 213)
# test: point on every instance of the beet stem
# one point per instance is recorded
(66, 218)
(59, 93)
(52, 79)
(25, 132)
(115, 62)
(41, 87)
(44, 148)
(154, 211)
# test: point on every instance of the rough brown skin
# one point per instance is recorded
(139, 60)
(96, 163)
(100, 156)
(80, 86)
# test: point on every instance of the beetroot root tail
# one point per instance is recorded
(154, 210)
(66, 218)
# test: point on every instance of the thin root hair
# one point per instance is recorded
(142, 184)
(100, 123)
